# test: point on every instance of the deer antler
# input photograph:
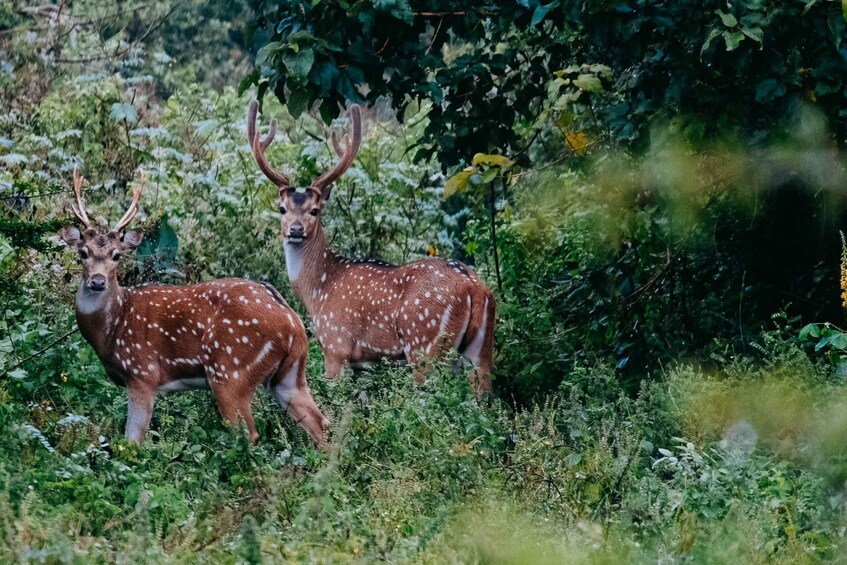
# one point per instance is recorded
(339, 149)
(79, 207)
(133, 207)
(324, 182)
(258, 145)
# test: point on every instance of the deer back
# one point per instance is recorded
(232, 328)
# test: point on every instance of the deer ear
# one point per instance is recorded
(132, 239)
(71, 236)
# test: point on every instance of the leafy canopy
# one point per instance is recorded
(727, 69)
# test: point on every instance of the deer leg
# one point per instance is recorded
(139, 411)
(420, 367)
(294, 396)
(334, 365)
(234, 405)
(481, 376)
(480, 350)
(421, 356)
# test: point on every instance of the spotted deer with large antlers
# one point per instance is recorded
(230, 335)
(366, 310)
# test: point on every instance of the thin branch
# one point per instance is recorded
(494, 239)
(37, 353)
(127, 49)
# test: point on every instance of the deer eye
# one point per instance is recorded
(116, 257)
(83, 254)
(314, 212)
(282, 210)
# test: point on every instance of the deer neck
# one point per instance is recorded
(308, 264)
(98, 315)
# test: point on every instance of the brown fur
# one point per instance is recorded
(366, 310)
(363, 311)
(230, 335)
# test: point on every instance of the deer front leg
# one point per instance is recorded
(139, 411)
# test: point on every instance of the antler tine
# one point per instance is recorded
(258, 146)
(339, 148)
(133, 207)
(324, 182)
(268, 139)
(79, 207)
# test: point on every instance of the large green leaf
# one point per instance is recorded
(265, 54)
(733, 40)
(297, 102)
(728, 19)
(299, 64)
(588, 83)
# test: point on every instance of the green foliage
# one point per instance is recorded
(486, 68)
(612, 268)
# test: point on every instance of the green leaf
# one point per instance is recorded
(822, 343)
(297, 102)
(123, 112)
(844, 9)
(490, 175)
(810, 330)
(754, 33)
(168, 241)
(733, 40)
(266, 53)
(839, 341)
(727, 19)
(458, 182)
(492, 160)
(712, 35)
(248, 81)
(541, 12)
(589, 83)
(299, 64)
(161, 247)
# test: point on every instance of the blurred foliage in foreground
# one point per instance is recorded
(651, 407)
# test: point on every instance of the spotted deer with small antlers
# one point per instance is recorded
(366, 310)
(230, 335)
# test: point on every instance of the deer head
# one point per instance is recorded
(300, 209)
(100, 250)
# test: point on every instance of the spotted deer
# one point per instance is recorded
(365, 310)
(230, 335)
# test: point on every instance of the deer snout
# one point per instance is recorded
(97, 282)
(296, 231)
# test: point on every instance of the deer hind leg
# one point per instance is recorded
(480, 343)
(294, 396)
(421, 356)
(234, 399)
(139, 411)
